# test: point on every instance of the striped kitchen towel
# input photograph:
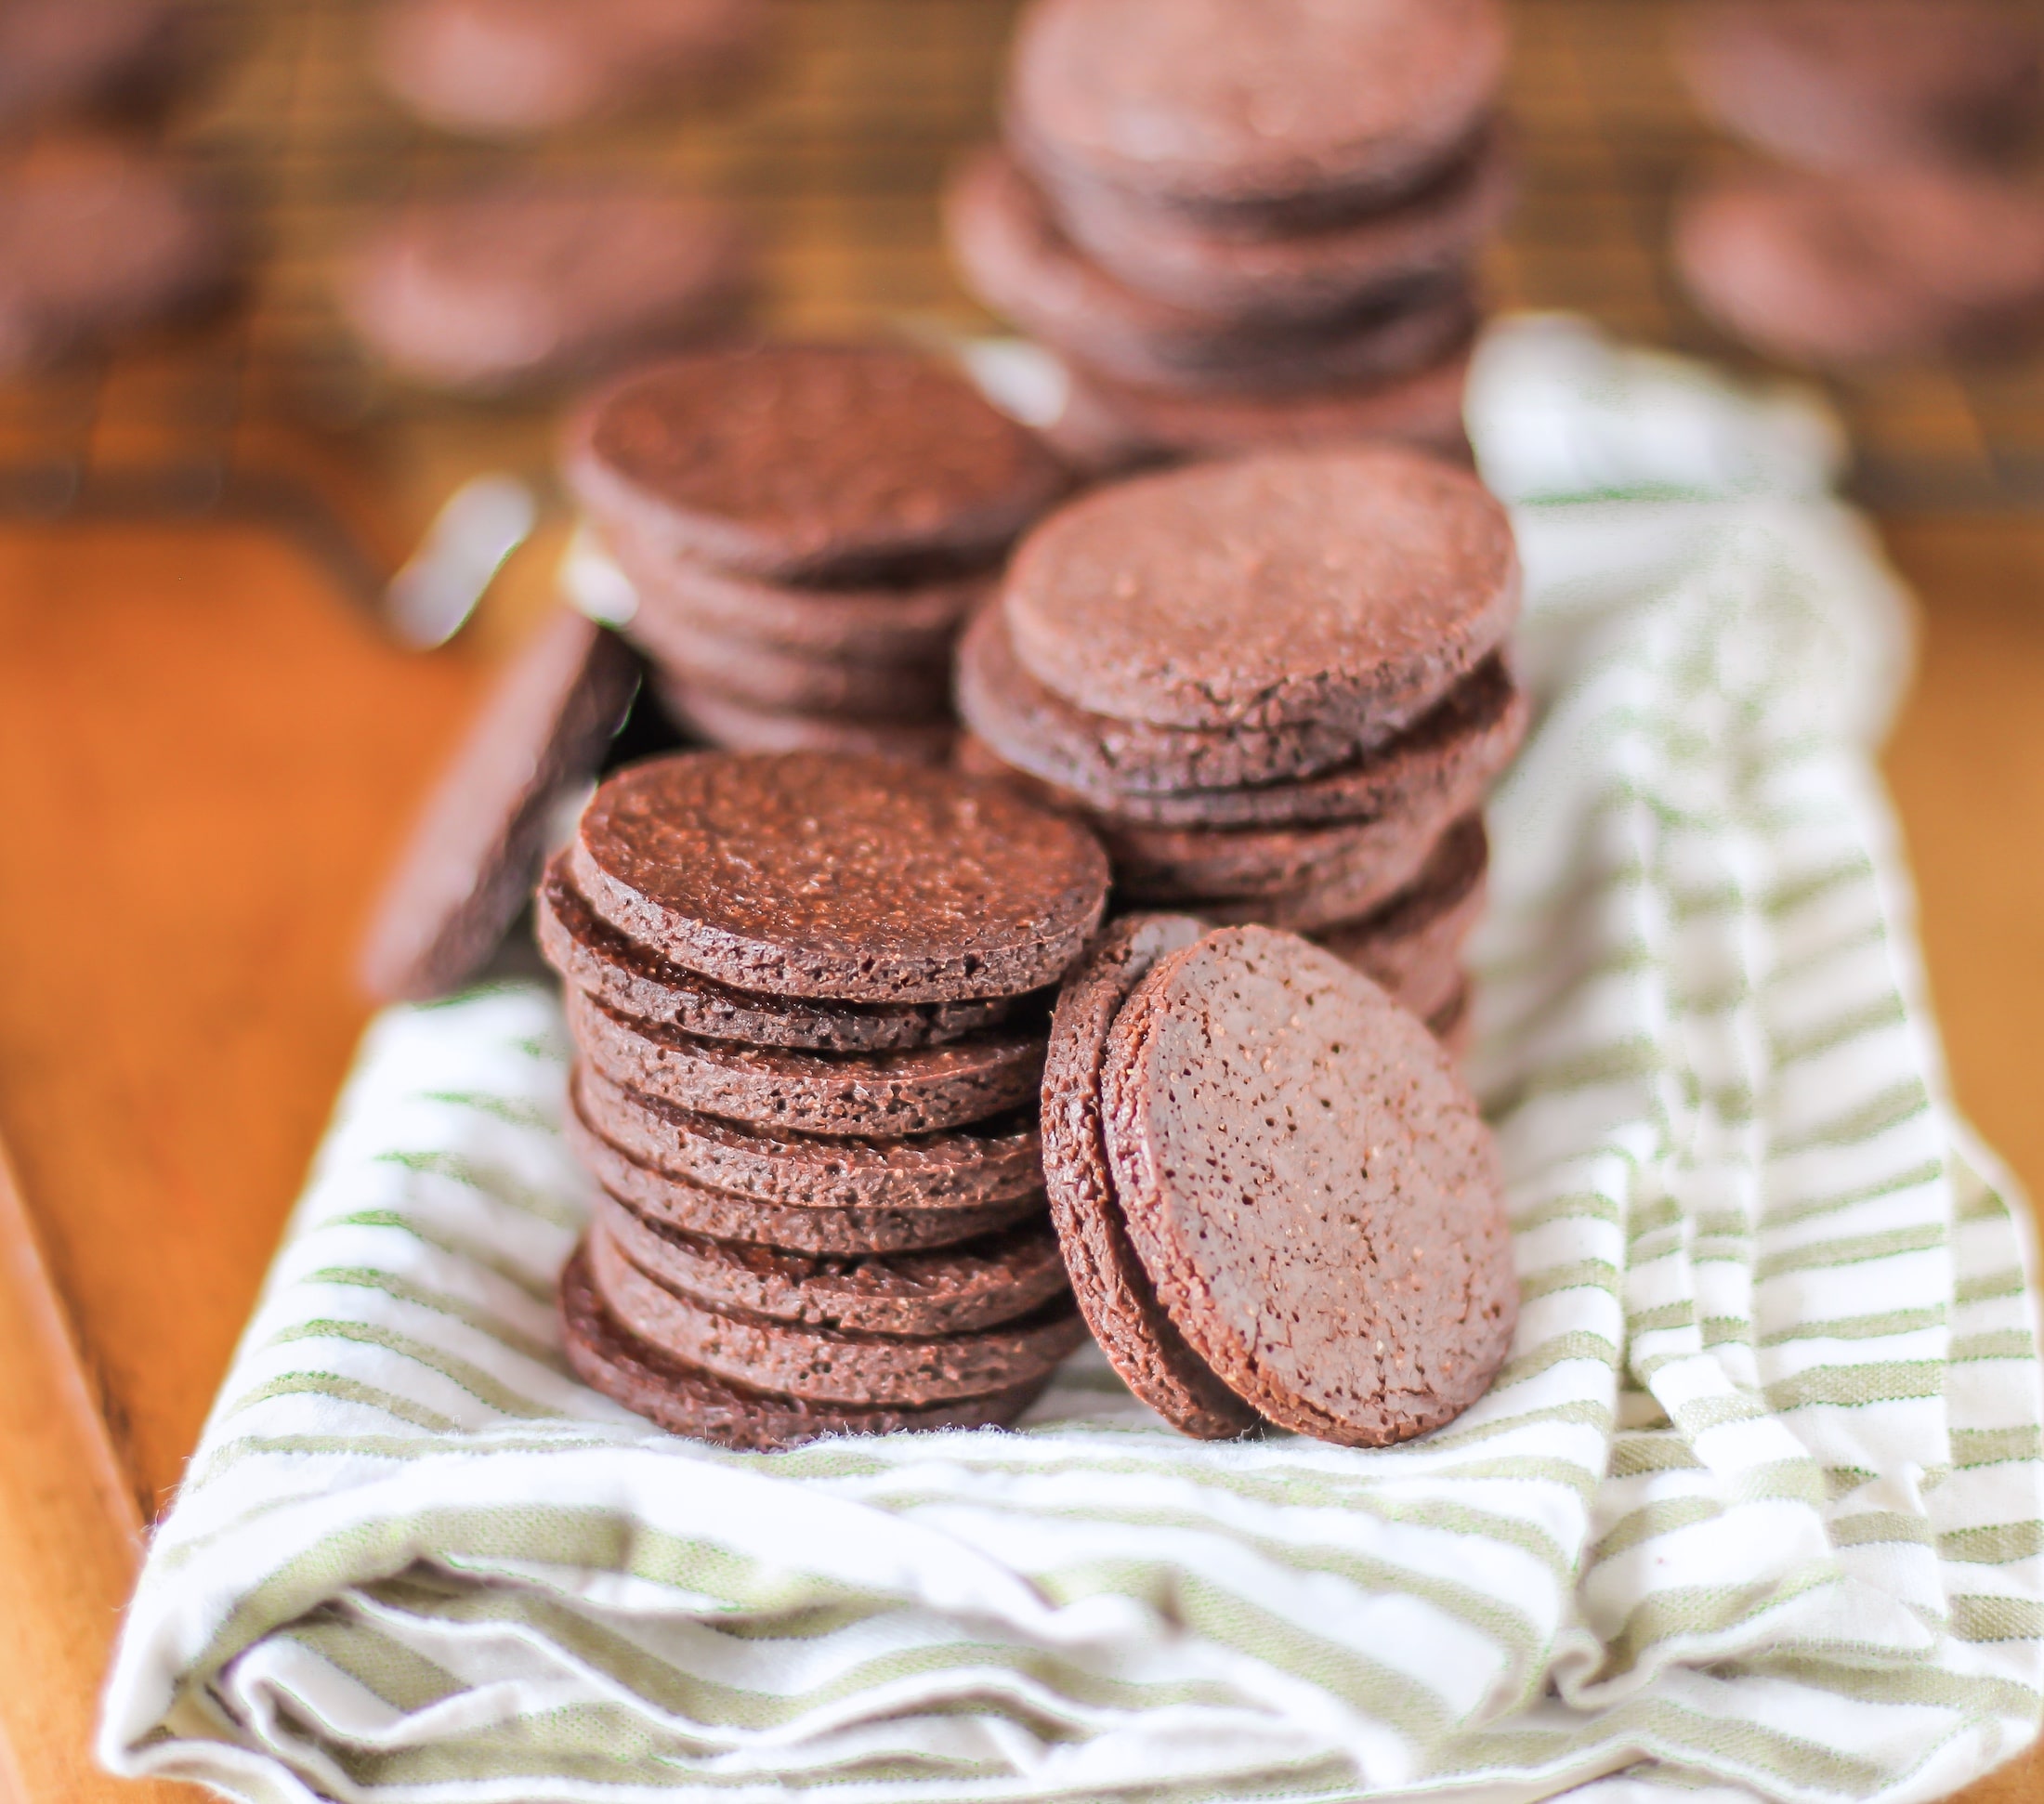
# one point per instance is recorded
(1756, 1509)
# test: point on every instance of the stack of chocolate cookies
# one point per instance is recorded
(1276, 689)
(1243, 225)
(798, 532)
(804, 993)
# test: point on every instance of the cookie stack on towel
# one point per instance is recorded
(797, 533)
(1243, 222)
(1276, 689)
(802, 993)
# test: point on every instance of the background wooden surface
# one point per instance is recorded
(207, 752)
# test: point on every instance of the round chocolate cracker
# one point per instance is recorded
(472, 857)
(1110, 426)
(1310, 1188)
(922, 1091)
(1459, 749)
(1352, 587)
(841, 463)
(517, 68)
(597, 960)
(64, 56)
(855, 880)
(1412, 945)
(910, 622)
(488, 289)
(1036, 730)
(1113, 1291)
(685, 1401)
(658, 1196)
(985, 1163)
(1835, 271)
(717, 720)
(960, 1289)
(1016, 259)
(780, 681)
(1210, 104)
(827, 1364)
(1307, 274)
(1867, 83)
(96, 240)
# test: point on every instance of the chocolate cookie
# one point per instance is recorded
(1457, 749)
(97, 241)
(1039, 731)
(1209, 105)
(61, 56)
(1113, 1291)
(976, 1167)
(832, 1366)
(600, 960)
(522, 282)
(842, 463)
(1352, 587)
(660, 1197)
(912, 623)
(1161, 864)
(685, 1401)
(1321, 271)
(1107, 427)
(1842, 270)
(1866, 84)
(858, 881)
(952, 1290)
(472, 858)
(1015, 258)
(736, 727)
(1343, 895)
(923, 1090)
(780, 681)
(1413, 945)
(1368, 1294)
(518, 68)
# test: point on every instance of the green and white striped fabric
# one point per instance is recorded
(1756, 1508)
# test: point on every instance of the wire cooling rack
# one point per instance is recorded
(272, 409)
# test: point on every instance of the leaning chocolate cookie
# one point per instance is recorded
(1309, 1187)
(470, 862)
(1114, 1291)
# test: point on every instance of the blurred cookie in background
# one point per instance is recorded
(518, 68)
(98, 240)
(1242, 225)
(1842, 271)
(65, 57)
(1865, 84)
(492, 289)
